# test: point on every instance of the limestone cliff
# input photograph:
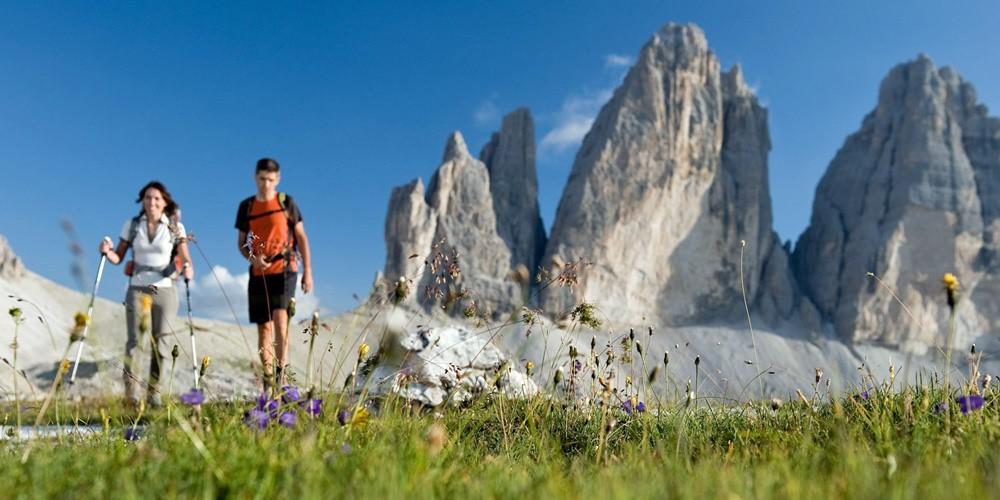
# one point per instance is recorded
(669, 181)
(447, 241)
(510, 160)
(915, 193)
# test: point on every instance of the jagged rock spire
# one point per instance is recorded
(912, 195)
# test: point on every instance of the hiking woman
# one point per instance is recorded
(159, 255)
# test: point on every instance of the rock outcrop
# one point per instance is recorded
(11, 267)
(915, 193)
(510, 160)
(460, 259)
(670, 179)
(444, 365)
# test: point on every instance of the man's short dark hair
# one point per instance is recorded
(267, 165)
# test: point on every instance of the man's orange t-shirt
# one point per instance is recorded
(269, 232)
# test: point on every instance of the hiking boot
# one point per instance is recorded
(154, 401)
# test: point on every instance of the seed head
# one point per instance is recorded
(653, 373)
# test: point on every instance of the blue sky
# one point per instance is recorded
(354, 98)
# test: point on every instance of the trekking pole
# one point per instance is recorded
(194, 356)
(90, 312)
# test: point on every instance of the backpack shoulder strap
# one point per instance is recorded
(249, 204)
(174, 229)
(133, 229)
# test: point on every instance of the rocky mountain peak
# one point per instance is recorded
(11, 267)
(910, 196)
(510, 161)
(669, 181)
(455, 149)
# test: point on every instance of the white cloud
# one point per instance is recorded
(213, 293)
(615, 61)
(487, 114)
(574, 120)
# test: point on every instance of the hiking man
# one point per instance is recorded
(271, 236)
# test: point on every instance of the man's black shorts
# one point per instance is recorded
(269, 292)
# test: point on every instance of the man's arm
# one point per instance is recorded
(302, 241)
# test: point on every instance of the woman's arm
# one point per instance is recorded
(117, 255)
(187, 265)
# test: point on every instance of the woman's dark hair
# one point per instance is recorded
(172, 207)
(267, 165)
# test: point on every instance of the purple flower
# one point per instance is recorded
(940, 408)
(290, 394)
(577, 365)
(641, 407)
(970, 403)
(193, 398)
(288, 419)
(256, 418)
(269, 405)
(627, 406)
(311, 406)
(343, 417)
(132, 433)
(865, 396)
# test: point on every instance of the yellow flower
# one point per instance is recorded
(81, 320)
(528, 367)
(204, 365)
(359, 418)
(147, 303)
(64, 366)
(363, 350)
(951, 289)
(950, 282)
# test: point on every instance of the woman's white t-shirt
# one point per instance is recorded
(153, 254)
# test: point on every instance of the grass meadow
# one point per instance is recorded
(882, 445)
